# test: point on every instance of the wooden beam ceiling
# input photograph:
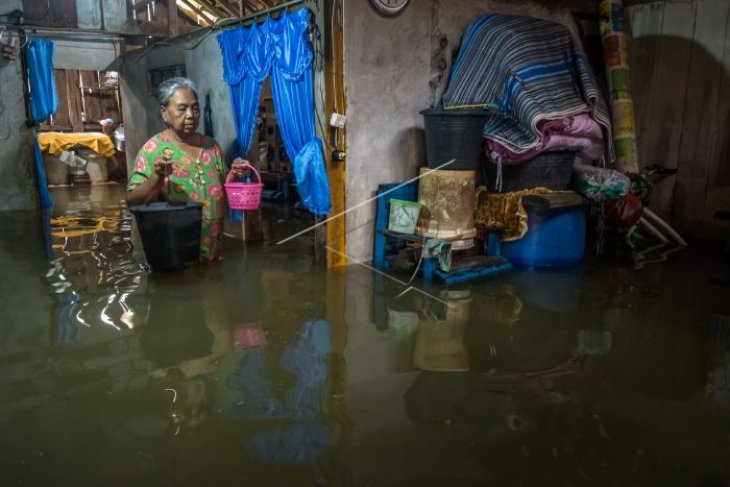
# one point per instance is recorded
(219, 9)
(206, 21)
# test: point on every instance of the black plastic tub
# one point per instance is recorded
(454, 134)
(551, 170)
(170, 233)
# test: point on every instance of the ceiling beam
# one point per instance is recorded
(199, 12)
(214, 9)
(231, 9)
(172, 18)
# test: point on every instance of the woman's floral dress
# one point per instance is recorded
(198, 180)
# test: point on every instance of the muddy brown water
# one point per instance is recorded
(267, 370)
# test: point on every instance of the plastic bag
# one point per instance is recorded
(623, 214)
(599, 184)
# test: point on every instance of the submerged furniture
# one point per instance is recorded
(471, 267)
(388, 244)
(92, 149)
(56, 142)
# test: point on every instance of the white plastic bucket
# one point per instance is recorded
(56, 170)
(96, 166)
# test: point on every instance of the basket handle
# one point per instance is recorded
(250, 166)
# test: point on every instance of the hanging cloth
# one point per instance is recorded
(43, 103)
(280, 49)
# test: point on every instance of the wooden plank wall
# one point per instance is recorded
(680, 61)
(80, 109)
(50, 13)
(63, 13)
(75, 106)
(72, 14)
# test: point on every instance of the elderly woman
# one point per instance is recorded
(179, 164)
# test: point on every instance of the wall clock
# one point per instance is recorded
(390, 7)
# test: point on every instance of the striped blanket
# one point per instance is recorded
(523, 70)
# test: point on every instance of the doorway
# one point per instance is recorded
(281, 213)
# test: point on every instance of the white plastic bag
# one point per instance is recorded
(599, 184)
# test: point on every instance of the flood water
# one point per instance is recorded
(266, 370)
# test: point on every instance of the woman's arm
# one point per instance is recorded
(237, 170)
(151, 188)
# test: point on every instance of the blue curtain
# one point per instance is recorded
(280, 49)
(43, 103)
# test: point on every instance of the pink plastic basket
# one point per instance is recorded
(245, 196)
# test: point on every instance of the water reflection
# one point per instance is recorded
(717, 389)
(230, 374)
(143, 362)
(300, 436)
(98, 282)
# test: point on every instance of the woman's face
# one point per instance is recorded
(182, 112)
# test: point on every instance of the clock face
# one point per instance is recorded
(389, 7)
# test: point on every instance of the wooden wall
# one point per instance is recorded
(680, 63)
(84, 99)
(71, 14)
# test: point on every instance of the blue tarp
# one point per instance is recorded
(43, 103)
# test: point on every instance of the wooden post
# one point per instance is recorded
(335, 101)
(172, 18)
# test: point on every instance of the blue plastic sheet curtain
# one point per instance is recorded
(43, 103)
(281, 49)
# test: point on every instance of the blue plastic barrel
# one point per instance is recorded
(555, 237)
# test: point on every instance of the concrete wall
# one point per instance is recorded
(18, 184)
(139, 108)
(395, 67)
(93, 54)
(203, 65)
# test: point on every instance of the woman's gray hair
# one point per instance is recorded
(168, 88)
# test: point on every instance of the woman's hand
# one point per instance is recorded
(154, 187)
(238, 170)
(162, 169)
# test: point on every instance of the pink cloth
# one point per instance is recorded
(579, 133)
